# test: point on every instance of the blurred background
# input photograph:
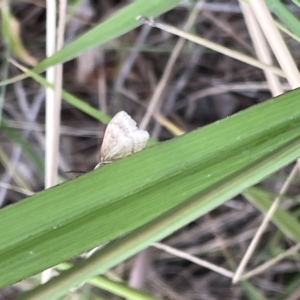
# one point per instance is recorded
(201, 86)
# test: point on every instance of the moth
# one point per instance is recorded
(121, 139)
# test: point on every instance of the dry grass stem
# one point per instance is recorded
(264, 225)
(221, 49)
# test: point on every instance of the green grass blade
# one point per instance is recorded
(252, 292)
(285, 15)
(116, 25)
(120, 250)
(285, 221)
(76, 102)
(163, 187)
(118, 288)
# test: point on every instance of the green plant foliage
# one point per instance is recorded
(285, 221)
(116, 25)
(285, 15)
(191, 174)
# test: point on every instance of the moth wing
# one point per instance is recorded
(122, 138)
(136, 142)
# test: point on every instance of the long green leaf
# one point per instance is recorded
(116, 25)
(211, 164)
(285, 15)
(116, 252)
(288, 224)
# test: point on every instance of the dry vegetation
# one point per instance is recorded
(203, 86)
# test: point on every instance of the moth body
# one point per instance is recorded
(122, 138)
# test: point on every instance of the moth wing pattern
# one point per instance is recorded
(122, 138)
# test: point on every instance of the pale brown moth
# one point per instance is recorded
(121, 139)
